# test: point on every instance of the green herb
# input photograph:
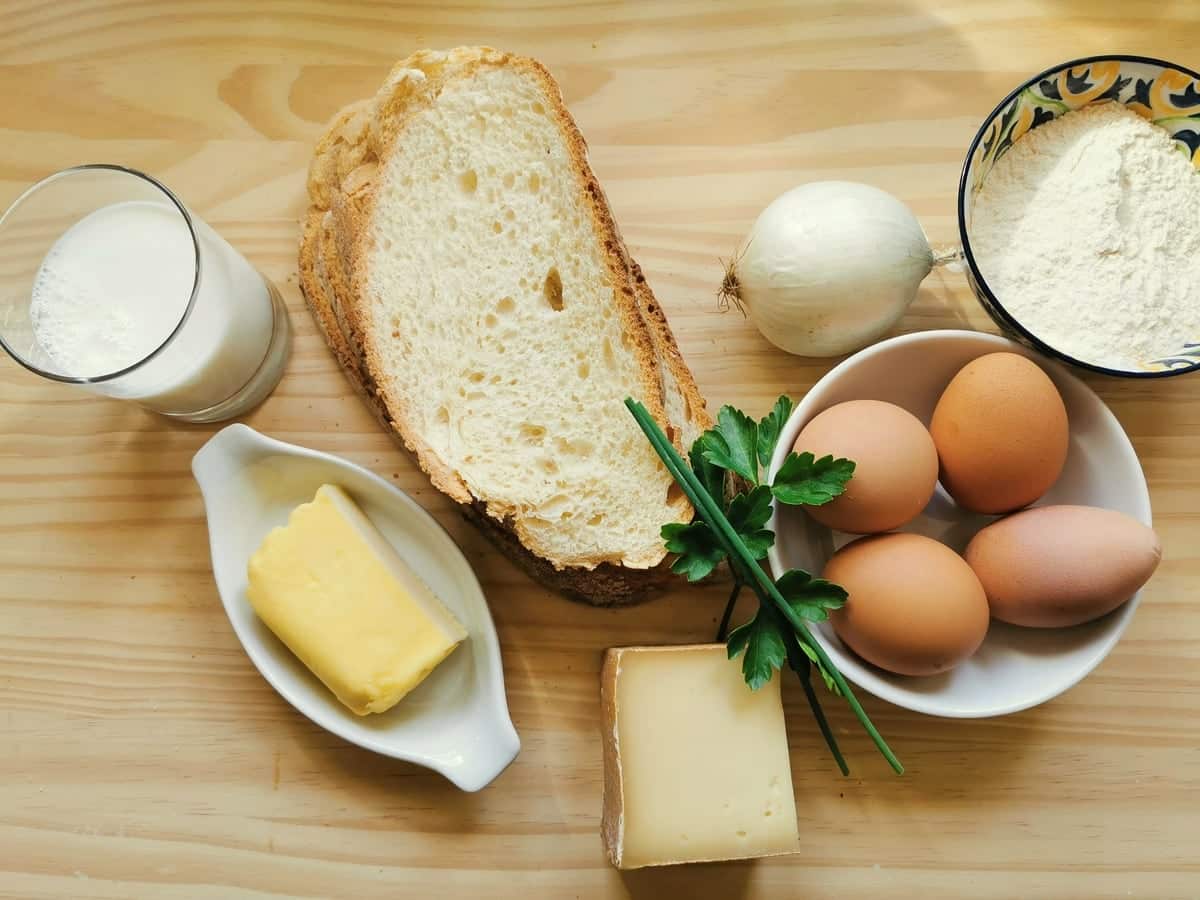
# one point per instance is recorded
(748, 514)
(743, 447)
(811, 598)
(710, 475)
(769, 428)
(805, 481)
(736, 532)
(733, 444)
(800, 660)
(697, 546)
(761, 643)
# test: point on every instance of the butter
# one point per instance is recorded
(339, 596)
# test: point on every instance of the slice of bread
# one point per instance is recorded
(463, 265)
(604, 585)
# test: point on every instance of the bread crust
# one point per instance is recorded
(332, 275)
(673, 368)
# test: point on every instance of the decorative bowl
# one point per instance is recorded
(1165, 93)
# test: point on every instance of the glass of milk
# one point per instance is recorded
(109, 282)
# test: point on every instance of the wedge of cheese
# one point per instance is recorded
(339, 596)
(696, 765)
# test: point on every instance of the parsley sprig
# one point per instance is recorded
(735, 531)
(743, 447)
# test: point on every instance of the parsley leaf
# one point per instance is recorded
(769, 428)
(698, 548)
(748, 513)
(732, 444)
(805, 481)
(811, 598)
(711, 476)
(760, 641)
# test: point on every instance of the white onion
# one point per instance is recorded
(829, 267)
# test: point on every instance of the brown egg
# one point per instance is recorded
(896, 464)
(915, 608)
(1001, 433)
(1062, 565)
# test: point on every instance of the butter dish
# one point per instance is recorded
(456, 721)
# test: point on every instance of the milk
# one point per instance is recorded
(113, 293)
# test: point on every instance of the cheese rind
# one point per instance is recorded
(696, 765)
(339, 596)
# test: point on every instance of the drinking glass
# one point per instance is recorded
(109, 282)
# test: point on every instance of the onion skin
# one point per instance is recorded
(829, 267)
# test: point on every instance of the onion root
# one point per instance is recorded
(729, 293)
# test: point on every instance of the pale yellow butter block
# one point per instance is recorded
(339, 596)
(696, 765)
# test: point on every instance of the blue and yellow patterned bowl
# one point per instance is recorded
(1165, 93)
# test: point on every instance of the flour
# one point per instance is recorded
(1088, 231)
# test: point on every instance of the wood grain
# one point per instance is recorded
(141, 755)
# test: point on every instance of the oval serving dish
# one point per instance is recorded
(1165, 93)
(456, 721)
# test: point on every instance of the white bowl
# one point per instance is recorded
(1016, 668)
(456, 721)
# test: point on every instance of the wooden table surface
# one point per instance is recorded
(141, 754)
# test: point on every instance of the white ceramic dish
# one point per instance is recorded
(1016, 668)
(456, 722)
